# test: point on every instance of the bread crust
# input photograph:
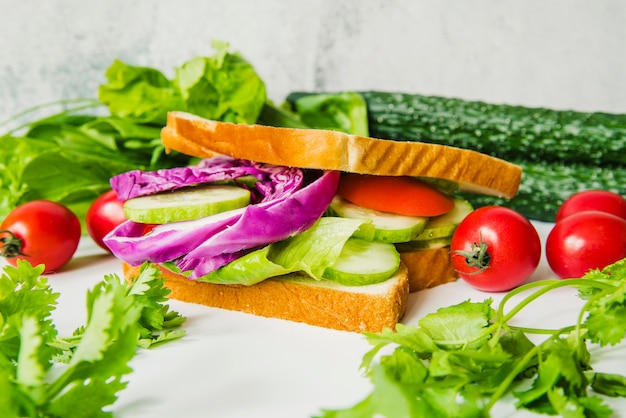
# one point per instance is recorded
(428, 268)
(333, 150)
(299, 298)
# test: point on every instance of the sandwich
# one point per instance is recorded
(315, 226)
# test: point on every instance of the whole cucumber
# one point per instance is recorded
(505, 131)
(545, 187)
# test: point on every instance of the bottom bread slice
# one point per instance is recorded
(299, 298)
(428, 268)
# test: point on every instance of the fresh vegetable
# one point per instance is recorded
(69, 158)
(505, 131)
(463, 359)
(40, 232)
(438, 230)
(389, 227)
(186, 204)
(601, 200)
(217, 170)
(284, 208)
(443, 226)
(495, 249)
(364, 262)
(221, 87)
(104, 214)
(400, 195)
(585, 240)
(42, 374)
(346, 112)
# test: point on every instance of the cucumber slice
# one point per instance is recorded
(427, 244)
(185, 204)
(444, 226)
(389, 227)
(364, 262)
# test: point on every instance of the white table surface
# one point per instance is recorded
(232, 364)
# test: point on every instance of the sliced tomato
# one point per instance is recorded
(401, 195)
(147, 228)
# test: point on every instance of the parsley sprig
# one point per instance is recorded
(42, 374)
(461, 360)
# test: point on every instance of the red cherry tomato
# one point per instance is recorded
(495, 249)
(584, 241)
(104, 214)
(41, 232)
(601, 200)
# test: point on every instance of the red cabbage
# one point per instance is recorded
(272, 181)
(205, 244)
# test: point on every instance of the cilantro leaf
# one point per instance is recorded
(24, 293)
(609, 384)
(607, 316)
(460, 360)
(92, 395)
(457, 325)
(88, 366)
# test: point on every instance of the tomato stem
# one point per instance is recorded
(477, 256)
(10, 244)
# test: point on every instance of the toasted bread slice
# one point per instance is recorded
(298, 297)
(333, 150)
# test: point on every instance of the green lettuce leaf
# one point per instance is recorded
(142, 94)
(221, 87)
(70, 160)
(345, 112)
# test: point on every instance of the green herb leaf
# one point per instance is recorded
(157, 321)
(462, 359)
(609, 384)
(90, 364)
(87, 399)
(457, 325)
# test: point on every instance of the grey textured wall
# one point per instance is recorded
(556, 53)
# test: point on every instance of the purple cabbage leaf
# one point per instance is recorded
(285, 208)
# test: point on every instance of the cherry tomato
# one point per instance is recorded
(602, 200)
(41, 232)
(104, 214)
(495, 249)
(584, 241)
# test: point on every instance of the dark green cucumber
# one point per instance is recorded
(545, 187)
(504, 131)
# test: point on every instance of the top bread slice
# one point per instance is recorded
(333, 150)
